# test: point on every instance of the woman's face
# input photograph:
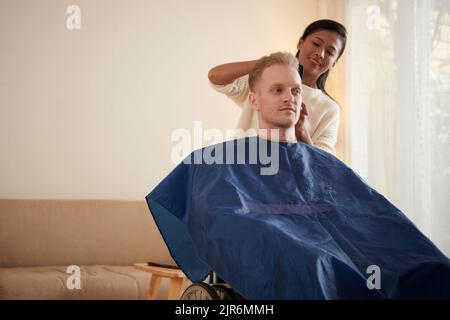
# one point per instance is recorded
(319, 52)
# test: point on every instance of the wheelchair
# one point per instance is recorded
(214, 289)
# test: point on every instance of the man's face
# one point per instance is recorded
(277, 97)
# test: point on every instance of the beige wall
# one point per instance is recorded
(89, 113)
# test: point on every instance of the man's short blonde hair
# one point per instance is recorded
(281, 58)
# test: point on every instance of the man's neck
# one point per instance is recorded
(277, 134)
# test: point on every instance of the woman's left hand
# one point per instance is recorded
(300, 131)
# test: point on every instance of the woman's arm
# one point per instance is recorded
(330, 127)
(227, 73)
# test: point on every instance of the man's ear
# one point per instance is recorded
(253, 99)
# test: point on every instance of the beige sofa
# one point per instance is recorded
(40, 239)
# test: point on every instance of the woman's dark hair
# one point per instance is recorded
(328, 25)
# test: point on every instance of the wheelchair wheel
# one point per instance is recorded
(224, 292)
(199, 291)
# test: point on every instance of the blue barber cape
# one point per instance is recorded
(312, 230)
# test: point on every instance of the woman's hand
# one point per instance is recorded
(300, 131)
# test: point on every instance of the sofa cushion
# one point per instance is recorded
(97, 282)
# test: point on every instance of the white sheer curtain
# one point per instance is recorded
(398, 95)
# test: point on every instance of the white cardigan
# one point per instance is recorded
(322, 122)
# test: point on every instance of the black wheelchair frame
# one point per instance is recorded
(212, 289)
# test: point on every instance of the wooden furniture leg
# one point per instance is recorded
(155, 281)
(175, 288)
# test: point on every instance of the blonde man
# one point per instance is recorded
(275, 94)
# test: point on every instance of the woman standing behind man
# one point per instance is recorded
(319, 48)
